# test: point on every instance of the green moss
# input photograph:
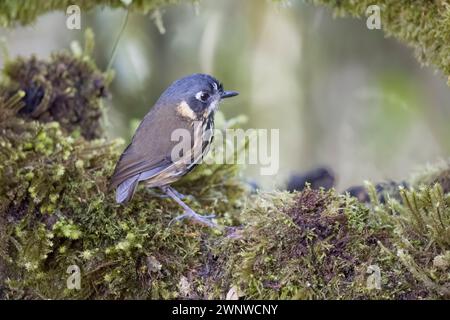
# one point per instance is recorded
(25, 12)
(66, 88)
(321, 245)
(432, 174)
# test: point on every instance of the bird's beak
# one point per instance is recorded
(228, 94)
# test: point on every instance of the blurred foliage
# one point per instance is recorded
(425, 25)
(395, 109)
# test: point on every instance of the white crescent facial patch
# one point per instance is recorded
(184, 110)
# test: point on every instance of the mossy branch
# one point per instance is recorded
(26, 12)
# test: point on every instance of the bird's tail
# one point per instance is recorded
(126, 189)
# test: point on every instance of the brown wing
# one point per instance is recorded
(151, 147)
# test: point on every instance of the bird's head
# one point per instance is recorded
(195, 96)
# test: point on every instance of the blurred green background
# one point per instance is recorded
(343, 96)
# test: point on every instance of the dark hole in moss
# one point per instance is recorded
(33, 97)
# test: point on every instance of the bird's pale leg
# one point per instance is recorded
(164, 196)
(179, 195)
(188, 212)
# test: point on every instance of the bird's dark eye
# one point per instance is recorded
(202, 96)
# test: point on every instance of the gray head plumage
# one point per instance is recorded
(198, 90)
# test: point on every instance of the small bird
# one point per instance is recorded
(187, 105)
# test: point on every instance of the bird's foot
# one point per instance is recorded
(198, 218)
